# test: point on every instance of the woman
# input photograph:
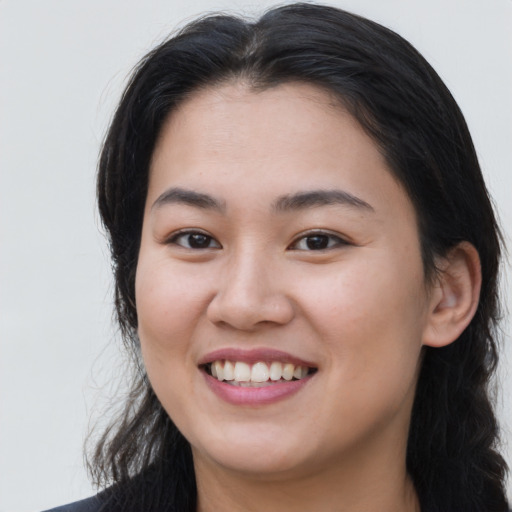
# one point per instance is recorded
(306, 262)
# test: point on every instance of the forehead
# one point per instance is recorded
(292, 135)
(241, 106)
(235, 121)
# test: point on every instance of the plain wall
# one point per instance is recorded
(62, 66)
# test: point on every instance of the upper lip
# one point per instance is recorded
(253, 356)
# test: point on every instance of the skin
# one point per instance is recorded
(360, 310)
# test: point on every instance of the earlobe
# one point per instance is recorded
(454, 296)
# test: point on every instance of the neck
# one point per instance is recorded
(361, 486)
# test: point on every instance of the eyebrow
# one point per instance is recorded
(190, 197)
(288, 202)
(315, 198)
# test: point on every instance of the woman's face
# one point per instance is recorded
(276, 242)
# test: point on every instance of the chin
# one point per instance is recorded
(261, 457)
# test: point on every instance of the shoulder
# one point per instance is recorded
(92, 504)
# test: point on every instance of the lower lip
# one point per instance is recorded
(238, 395)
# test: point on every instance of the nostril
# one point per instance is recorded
(246, 311)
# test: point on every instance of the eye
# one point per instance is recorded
(317, 242)
(194, 240)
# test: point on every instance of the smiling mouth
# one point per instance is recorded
(259, 374)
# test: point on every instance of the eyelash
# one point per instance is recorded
(332, 241)
(174, 239)
(205, 241)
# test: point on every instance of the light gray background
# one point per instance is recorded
(62, 66)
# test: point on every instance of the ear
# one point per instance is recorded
(454, 295)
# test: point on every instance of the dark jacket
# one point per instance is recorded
(88, 505)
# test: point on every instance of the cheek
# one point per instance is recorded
(168, 308)
(165, 300)
(370, 314)
(371, 331)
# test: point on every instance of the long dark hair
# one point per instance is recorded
(405, 107)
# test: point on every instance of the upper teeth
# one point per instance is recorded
(259, 372)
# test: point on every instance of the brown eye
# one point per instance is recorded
(318, 242)
(195, 240)
(198, 241)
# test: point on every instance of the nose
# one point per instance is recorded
(250, 294)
